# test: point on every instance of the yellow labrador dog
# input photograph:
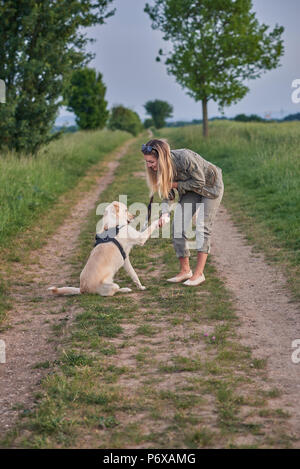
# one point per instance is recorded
(109, 255)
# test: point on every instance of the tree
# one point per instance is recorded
(159, 111)
(216, 45)
(85, 97)
(43, 42)
(122, 118)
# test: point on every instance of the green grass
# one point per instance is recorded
(161, 368)
(261, 171)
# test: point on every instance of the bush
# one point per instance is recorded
(122, 118)
(148, 123)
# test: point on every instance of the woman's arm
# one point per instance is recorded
(192, 167)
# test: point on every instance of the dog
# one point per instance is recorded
(110, 255)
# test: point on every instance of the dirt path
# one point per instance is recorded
(35, 311)
(270, 321)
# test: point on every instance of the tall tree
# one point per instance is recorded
(85, 97)
(217, 44)
(42, 42)
(159, 111)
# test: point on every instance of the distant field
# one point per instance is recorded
(261, 170)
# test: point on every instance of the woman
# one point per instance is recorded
(197, 182)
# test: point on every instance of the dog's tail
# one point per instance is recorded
(65, 291)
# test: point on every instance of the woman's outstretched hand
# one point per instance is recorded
(165, 218)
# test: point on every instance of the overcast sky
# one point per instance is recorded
(126, 49)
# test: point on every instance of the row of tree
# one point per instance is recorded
(43, 63)
(238, 118)
(42, 43)
(215, 46)
(85, 96)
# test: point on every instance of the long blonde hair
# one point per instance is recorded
(160, 180)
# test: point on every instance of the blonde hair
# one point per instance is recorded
(160, 180)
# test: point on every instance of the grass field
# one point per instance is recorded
(162, 368)
(261, 170)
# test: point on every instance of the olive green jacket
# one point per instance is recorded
(194, 173)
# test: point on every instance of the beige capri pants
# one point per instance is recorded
(181, 226)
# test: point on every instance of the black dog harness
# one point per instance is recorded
(108, 236)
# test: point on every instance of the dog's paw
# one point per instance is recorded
(166, 217)
(125, 290)
(141, 287)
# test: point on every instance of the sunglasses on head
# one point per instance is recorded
(147, 149)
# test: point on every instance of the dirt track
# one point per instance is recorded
(269, 320)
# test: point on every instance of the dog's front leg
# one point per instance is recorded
(130, 270)
(145, 235)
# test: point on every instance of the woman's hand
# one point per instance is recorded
(163, 219)
(174, 185)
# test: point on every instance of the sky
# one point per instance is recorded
(126, 48)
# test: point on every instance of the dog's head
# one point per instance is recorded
(115, 214)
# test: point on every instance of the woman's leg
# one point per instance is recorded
(184, 265)
(211, 207)
(201, 261)
(184, 212)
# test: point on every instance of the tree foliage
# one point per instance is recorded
(122, 118)
(292, 117)
(148, 123)
(216, 46)
(251, 118)
(85, 97)
(159, 111)
(42, 42)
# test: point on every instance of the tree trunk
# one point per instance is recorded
(204, 118)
